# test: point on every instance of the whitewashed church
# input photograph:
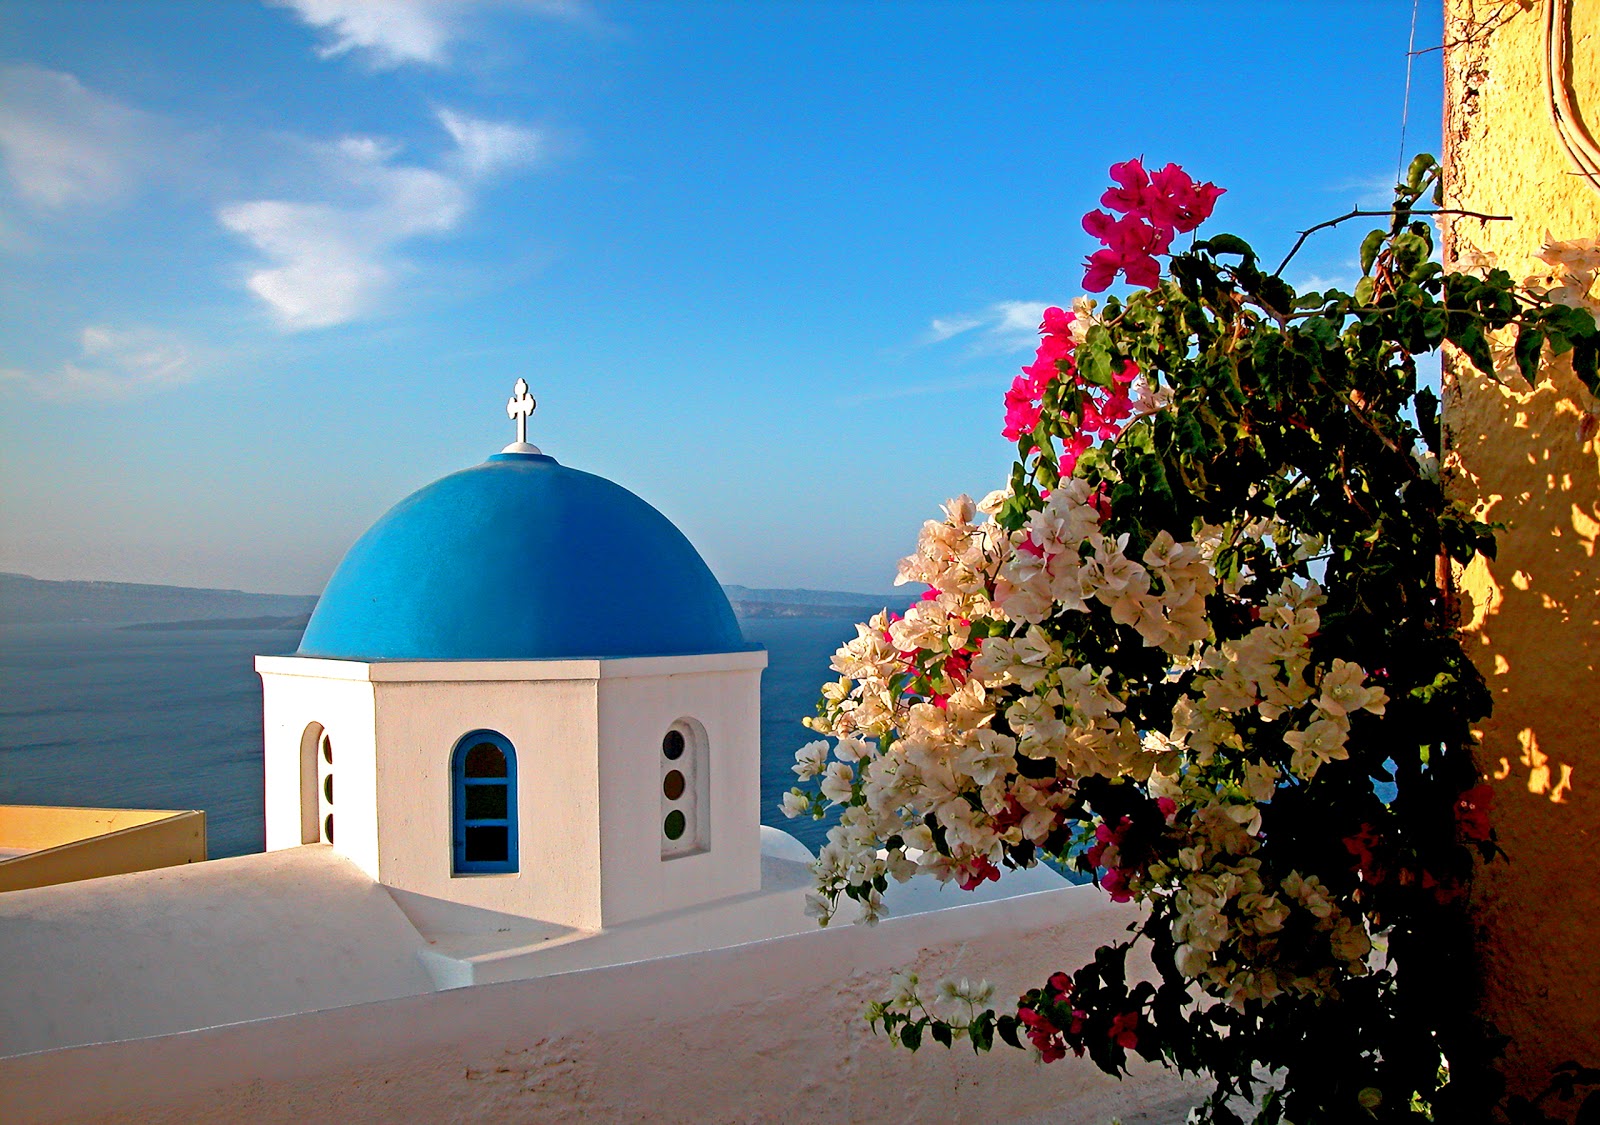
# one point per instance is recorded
(516, 871)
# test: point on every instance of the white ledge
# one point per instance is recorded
(435, 671)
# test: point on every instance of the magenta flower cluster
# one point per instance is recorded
(1154, 206)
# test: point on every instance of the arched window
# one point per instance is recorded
(316, 785)
(483, 814)
(685, 797)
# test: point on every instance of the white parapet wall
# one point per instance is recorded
(765, 1032)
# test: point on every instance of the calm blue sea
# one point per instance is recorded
(100, 716)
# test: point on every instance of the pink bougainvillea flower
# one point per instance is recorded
(1132, 182)
(1125, 1030)
(1115, 883)
(1143, 271)
(1073, 450)
(1472, 812)
(1098, 224)
(1132, 237)
(1057, 322)
(977, 871)
(1154, 207)
(1101, 270)
(1044, 1035)
(1022, 408)
(1363, 846)
(1196, 208)
(1059, 985)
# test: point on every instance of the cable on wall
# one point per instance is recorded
(1575, 139)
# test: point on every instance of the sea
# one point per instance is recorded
(109, 717)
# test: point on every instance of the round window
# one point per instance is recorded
(672, 745)
(672, 785)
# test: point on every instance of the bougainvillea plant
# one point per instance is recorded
(1204, 648)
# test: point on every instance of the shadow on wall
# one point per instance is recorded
(1535, 610)
(1533, 616)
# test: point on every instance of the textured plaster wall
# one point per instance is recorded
(1534, 613)
(767, 1032)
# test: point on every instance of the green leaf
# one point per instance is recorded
(1470, 339)
(1410, 249)
(911, 1035)
(981, 1032)
(1369, 250)
(1227, 244)
(1417, 174)
(1530, 342)
(941, 1034)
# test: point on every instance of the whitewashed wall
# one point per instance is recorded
(639, 702)
(587, 735)
(768, 1032)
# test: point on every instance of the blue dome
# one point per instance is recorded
(521, 559)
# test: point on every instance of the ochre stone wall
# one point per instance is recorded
(1534, 613)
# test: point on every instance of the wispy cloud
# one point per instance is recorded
(113, 363)
(999, 329)
(934, 387)
(1369, 193)
(392, 33)
(333, 262)
(64, 145)
(486, 147)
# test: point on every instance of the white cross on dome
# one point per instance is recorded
(520, 406)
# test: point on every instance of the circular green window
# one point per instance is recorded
(674, 825)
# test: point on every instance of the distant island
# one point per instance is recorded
(25, 600)
(297, 622)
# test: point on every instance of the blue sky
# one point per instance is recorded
(265, 269)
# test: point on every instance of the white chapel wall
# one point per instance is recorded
(639, 701)
(343, 706)
(551, 726)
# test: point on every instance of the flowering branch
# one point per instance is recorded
(1199, 649)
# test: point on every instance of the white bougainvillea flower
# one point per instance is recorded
(1343, 691)
(838, 782)
(1322, 741)
(811, 759)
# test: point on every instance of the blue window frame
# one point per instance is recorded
(483, 814)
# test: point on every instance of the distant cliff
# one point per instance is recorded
(37, 601)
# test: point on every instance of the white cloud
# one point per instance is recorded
(330, 263)
(486, 147)
(391, 33)
(1001, 328)
(941, 328)
(1369, 193)
(114, 364)
(64, 145)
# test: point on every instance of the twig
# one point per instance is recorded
(1357, 213)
